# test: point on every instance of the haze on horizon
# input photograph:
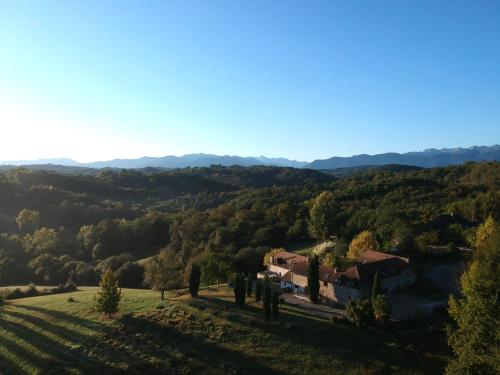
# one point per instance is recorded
(303, 80)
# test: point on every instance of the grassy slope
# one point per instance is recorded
(205, 335)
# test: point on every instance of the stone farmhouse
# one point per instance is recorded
(336, 286)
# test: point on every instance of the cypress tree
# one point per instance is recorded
(275, 307)
(249, 285)
(236, 289)
(313, 278)
(239, 290)
(258, 291)
(267, 300)
(242, 290)
(194, 279)
(376, 286)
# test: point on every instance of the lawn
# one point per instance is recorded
(208, 334)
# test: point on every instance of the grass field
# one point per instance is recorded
(182, 335)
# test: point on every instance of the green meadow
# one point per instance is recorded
(182, 335)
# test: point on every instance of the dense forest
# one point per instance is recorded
(59, 227)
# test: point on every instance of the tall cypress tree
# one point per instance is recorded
(239, 290)
(242, 290)
(376, 286)
(258, 290)
(249, 284)
(194, 279)
(266, 298)
(313, 278)
(275, 307)
(236, 289)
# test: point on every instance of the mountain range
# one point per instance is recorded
(426, 158)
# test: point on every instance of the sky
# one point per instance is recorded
(98, 80)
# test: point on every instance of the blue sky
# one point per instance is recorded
(96, 80)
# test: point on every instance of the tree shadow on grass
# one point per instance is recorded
(8, 366)
(345, 341)
(58, 357)
(59, 315)
(195, 354)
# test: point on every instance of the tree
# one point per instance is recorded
(249, 285)
(485, 232)
(313, 278)
(239, 290)
(163, 272)
(323, 216)
(258, 291)
(266, 298)
(361, 243)
(275, 305)
(215, 269)
(381, 308)
(130, 275)
(376, 286)
(27, 220)
(108, 297)
(475, 338)
(194, 279)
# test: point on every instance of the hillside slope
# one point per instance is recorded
(208, 334)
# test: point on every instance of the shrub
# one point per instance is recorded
(360, 312)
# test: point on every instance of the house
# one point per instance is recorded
(356, 281)
(341, 286)
(292, 270)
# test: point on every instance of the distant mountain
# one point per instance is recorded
(168, 162)
(427, 158)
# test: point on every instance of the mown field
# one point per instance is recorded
(181, 335)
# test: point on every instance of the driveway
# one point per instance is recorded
(322, 311)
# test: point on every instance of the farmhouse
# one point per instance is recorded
(290, 270)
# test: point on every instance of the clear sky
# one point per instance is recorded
(95, 80)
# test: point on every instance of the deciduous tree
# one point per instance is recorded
(361, 243)
(475, 338)
(163, 272)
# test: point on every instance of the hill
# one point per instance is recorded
(427, 158)
(206, 335)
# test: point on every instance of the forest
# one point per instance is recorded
(58, 228)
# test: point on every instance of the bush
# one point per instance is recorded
(360, 312)
(69, 287)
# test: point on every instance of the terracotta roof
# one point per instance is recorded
(326, 273)
(371, 256)
(287, 277)
(287, 257)
(370, 262)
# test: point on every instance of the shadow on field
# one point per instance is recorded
(48, 347)
(343, 340)
(195, 353)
